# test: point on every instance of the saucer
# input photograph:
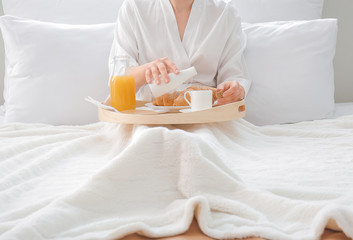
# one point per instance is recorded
(151, 105)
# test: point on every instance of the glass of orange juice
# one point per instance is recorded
(122, 86)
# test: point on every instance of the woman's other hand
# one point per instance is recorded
(233, 92)
(160, 67)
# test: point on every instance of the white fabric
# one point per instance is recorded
(51, 68)
(65, 11)
(104, 181)
(253, 11)
(214, 47)
(2, 113)
(342, 109)
(291, 66)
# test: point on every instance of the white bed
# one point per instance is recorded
(283, 173)
(106, 181)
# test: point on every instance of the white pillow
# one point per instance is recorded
(65, 11)
(291, 65)
(254, 11)
(51, 68)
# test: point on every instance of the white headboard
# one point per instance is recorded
(344, 55)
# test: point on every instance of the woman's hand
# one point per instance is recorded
(162, 67)
(233, 92)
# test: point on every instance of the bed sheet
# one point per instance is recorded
(342, 109)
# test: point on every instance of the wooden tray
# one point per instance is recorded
(216, 114)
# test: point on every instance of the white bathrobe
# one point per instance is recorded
(213, 40)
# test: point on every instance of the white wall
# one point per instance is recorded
(341, 9)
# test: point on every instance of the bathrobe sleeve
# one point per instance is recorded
(232, 64)
(124, 43)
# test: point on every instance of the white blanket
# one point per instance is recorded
(105, 181)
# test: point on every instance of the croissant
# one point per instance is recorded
(177, 98)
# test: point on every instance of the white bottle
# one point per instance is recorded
(175, 81)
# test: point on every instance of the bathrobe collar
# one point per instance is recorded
(181, 45)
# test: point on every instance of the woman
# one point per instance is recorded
(163, 36)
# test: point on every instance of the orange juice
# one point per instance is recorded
(122, 93)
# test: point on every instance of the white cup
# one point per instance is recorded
(200, 100)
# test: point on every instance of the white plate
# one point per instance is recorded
(151, 105)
